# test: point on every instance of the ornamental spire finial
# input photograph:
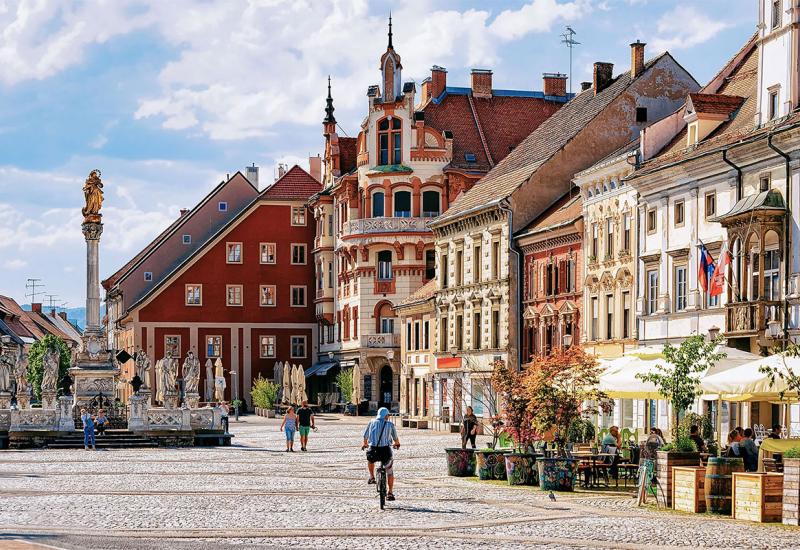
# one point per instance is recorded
(390, 31)
(329, 105)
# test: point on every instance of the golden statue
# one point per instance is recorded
(93, 191)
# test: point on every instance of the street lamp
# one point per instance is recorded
(773, 330)
(567, 340)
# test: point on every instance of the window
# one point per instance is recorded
(355, 322)
(711, 204)
(267, 347)
(641, 114)
(595, 319)
(443, 333)
(194, 295)
(595, 238)
(680, 288)
(774, 108)
(459, 332)
(298, 347)
(377, 204)
(298, 254)
(609, 317)
(172, 345)
(148, 275)
(330, 225)
(416, 335)
(427, 335)
(772, 264)
(459, 267)
(233, 253)
(330, 274)
(477, 264)
(187, 239)
(609, 238)
(476, 330)
(626, 232)
(711, 301)
(409, 342)
(298, 215)
(764, 183)
(402, 204)
(496, 329)
(776, 13)
(222, 206)
(384, 265)
(267, 295)
(387, 325)
(298, 296)
(651, 221)
(430, 264)
(234, 295)
(213, 346)
(430, 204)
(495, 259)
(678, 213)
(569, 275)
(445, 271)
(267, 253)
(652, 291)
(626, 315)
(389, 141)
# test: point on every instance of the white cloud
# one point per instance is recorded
(538, 16)
(685, 27)
(15, 263)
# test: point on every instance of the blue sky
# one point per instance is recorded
(166, 97)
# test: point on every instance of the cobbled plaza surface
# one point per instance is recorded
(255, 495)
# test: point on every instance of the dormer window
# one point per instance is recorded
(774, 106)
(390, 150)
(470, 157)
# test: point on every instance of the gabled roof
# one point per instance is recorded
(714, 104)
(541, 145)
(295, 185)
(22, 323)
(566, 211)
(49, 325)
(422, 294)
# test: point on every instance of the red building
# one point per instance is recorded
(552, 289)
(244, 294)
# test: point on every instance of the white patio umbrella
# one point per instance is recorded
(356, 397)
(745, 382)
(287, 383)
(301, 379)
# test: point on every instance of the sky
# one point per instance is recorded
(166, 97)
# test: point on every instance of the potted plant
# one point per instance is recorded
(236, 404)
(264, 394)
(791, 486)
(558, 387)
(490, 460)
(344, 380)
(678, 380)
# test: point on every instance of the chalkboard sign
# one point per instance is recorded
(368, 387)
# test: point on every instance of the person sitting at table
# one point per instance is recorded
(775, 433)
(733, 450)
(612, 442)
(694, 435)
(749, 451)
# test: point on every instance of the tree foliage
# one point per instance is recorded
(508, 384)
(345, 382)
(785, 373)
(679, 379)
(36, 362)
(264, 393)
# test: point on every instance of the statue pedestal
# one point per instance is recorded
(192, 400)
(23, 401)
(5, 400)
(146, 396)
(93, 371)
(171, 400)
(48, 399)
(66, 423)
(137, 412)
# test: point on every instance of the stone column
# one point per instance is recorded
(92, 232)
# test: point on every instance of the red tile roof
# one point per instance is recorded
(23, 318)
(348, 153)
(566, 210)
(718, 104)
(423, 293)
(294, 185)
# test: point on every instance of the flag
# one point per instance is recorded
(706, 269)
(718, 279)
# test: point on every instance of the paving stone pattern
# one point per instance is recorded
(255, 495)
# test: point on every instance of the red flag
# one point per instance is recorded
(718, 279)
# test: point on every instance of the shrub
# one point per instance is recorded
(264, 393)
(680, 445)
(702, 421)
(794, 452)
(345, 382)
(581, 430)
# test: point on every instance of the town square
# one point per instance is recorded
(356, 274)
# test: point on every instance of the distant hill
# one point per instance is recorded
(76, 315)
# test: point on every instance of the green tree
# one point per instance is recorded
(785, 373)
(345, 382)
(679, 379)
(36, 365)
(264, 393)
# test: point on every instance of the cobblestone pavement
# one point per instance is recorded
(255, 495)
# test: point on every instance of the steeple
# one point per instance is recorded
(329, 118)
(390, 70)
(390, 46)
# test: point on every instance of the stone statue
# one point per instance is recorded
(143, 367)
(209, 380)
(7, 364)
(21, 378)
(219, 381)
(93, 193)
(191, 374)
(50, 371)
(170, 373)
(159, 381)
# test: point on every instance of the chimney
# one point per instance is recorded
(555, 84)
(637, 58)
(438, 80)
(281, 170)
(425, 89)
(184, 211)
(603, 74)
(36, 307)
(251, 173)
(63, 315)
(585, 86)
(315, 167)
(481, 83)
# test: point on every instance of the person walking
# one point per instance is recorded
(380, 436)
(305, 417)
(469, 428)
(88, 430)
(289, 426)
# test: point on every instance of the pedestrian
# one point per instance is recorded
(305, 418)
(289, 425)
(102, 422)
(469, 428)
(88, 430)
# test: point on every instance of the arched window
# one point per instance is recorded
(430, 204)
(402, 204)
(377, 205)
(385, 318)
(389, 141)
(384, 265)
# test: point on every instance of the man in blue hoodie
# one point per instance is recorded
(381, 436)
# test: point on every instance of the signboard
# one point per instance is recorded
(448, 363)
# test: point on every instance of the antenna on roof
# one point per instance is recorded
(32, 284)
(52, 302)
(568, 38)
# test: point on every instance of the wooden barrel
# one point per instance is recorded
(719, 483)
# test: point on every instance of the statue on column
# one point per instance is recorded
(191, 379)
(93, 193)
(21, 378)
(219, 381)
(170, 366)
(159, 381)
(143, 367)
(7, 363)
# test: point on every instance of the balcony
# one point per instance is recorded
(751, 318)
(371, 226)
(378, 341)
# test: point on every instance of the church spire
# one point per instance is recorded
(390, 32)
(329, 118)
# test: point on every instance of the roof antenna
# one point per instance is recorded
(568, 38)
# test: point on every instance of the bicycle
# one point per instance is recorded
(381, 485)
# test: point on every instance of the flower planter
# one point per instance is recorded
(557, 474)
(664, 464)
(758, 497)
(719, 483)
(521, 469)
(791, 491)
(688, 492)
(270, 413)
(460, 462)
(490, 464)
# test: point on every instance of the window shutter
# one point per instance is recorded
(562, 276)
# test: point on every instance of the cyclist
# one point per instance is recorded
(381, 436)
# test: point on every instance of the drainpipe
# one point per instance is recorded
(504, 206)
(738, 174)
(786, 238)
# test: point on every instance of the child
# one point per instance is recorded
(102, 422)
(88, 430)
(289, 425)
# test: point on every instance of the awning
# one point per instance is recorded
(321, 369)
(767, 201)
(746, 382)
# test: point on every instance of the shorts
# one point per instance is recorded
(384, 456)
(304, 431)
(289, 434)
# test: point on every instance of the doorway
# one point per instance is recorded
(385, 396)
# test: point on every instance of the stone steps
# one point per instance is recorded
(112, 439)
